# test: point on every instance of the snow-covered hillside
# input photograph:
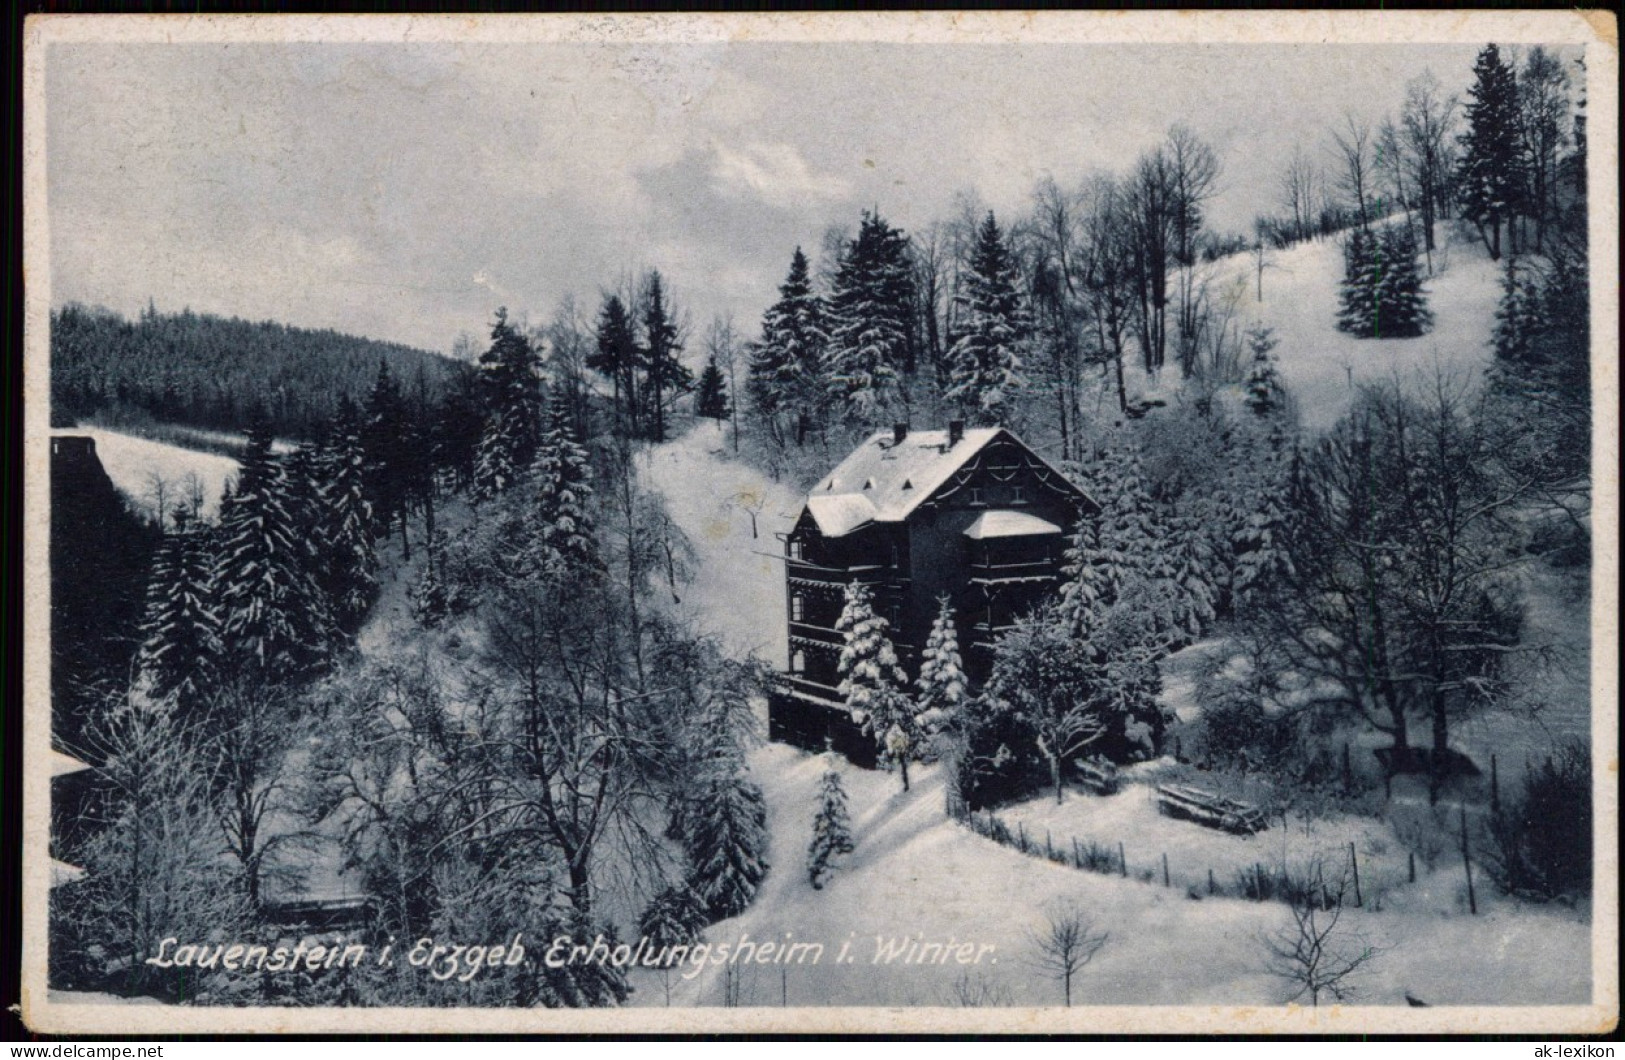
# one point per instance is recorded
(738, 591)
(917, 875)
(136, 464)
(1321, 365)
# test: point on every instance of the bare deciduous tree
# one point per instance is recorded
(1352, 144)
(1300, 192)
(1065, 944)
(1310, 953)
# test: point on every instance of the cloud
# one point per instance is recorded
(775, 173)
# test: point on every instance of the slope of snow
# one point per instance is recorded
(915, 874)
(738, 591)
(134, 464)
(1321, 366)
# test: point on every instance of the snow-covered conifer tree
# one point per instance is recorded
(511, 389)
(725, 831)
(942, 682)
(787, 367)
(562, 528)
(350, 572)
(870, 315)
(181, 648)
(985, 361)
(711, 395)
(1356, 298)
(274, 620)
(1265, 394)
(832, 828)
(1401, 302)
(872, 683)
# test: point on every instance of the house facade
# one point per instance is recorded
(973, 515)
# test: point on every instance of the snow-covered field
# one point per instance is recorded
(136, 464)
(1321, 366)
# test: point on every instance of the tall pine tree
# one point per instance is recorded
(1490, 175)
(180, 652)
(349, 573)
(511, 389)
(275, 622)
(871, 321)
(711, 399)
(615, 357)
(985, 360)
(788, 370)
(665, 376)
(563, 537)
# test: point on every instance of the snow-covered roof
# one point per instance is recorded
(884, 480)
(841, 513)
(1009, 524)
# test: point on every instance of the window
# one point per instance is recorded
(798, 608)
(796, 551)
(798, 663)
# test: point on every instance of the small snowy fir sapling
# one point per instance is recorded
(942, 683)
(871, 681)
(832, 828)
(1264, 391)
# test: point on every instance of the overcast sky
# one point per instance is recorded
(405, 191)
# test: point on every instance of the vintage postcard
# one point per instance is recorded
(1072, 522)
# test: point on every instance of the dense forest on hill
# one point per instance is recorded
(209, 371)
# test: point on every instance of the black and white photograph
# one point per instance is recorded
(1072, 523)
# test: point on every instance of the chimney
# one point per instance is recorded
(899, 432)
(956, 431)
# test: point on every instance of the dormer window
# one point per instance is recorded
(796, 548)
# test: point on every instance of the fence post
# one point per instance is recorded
(1165, 882)
(1021, 836)
(1077, 854)
(1049, 851)
(1354, 860)
(1122, 859)
(1211, 889)
(1495, 790)
(1413, 866)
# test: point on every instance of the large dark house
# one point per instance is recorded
(973, 515)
